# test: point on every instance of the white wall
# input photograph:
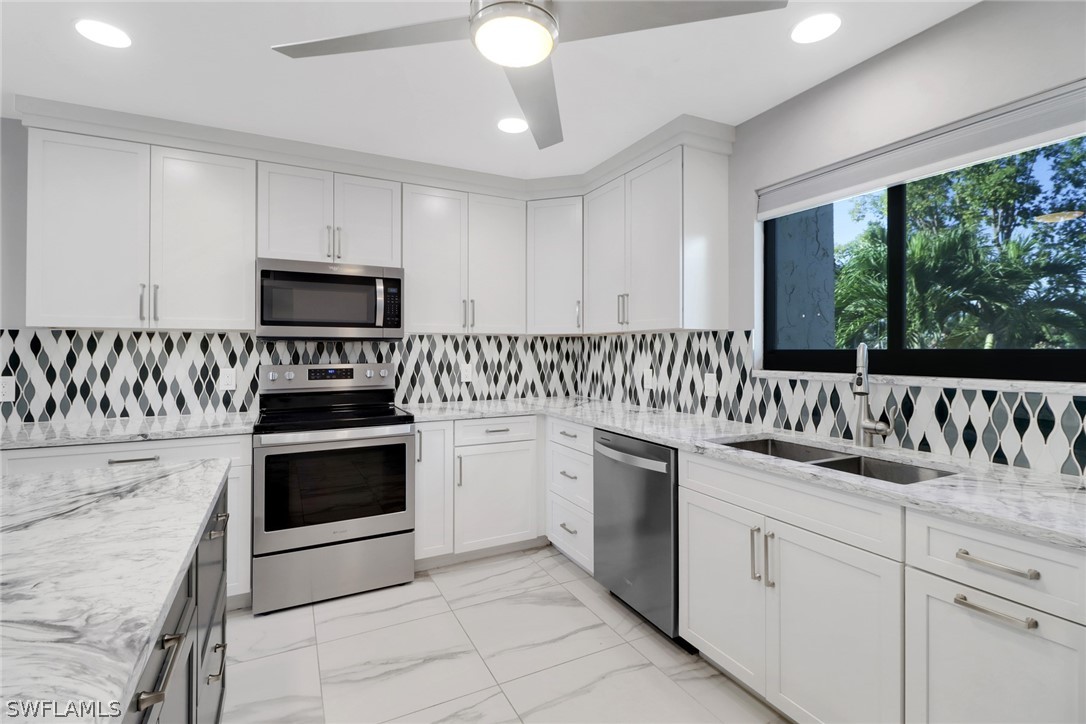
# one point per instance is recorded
(12, 224)
(989, 55)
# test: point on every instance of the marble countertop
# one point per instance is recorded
(91, 562)
(123, 429)
(1042, 506)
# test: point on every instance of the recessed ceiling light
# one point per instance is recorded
(1057, 216)
(103, 33)
(815, 28)
(513, 125)
(514, 34)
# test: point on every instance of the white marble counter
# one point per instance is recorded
(1046, 507)
(91, 561)
(123, 429)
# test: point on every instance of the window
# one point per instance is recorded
(977, 272)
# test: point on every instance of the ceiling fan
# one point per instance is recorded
(520, 35)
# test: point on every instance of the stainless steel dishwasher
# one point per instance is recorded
(636, 526)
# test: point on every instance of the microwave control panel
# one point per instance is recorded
(392, 304)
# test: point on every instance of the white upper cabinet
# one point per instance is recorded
(435, 256)
(555, 264)
(496, 265)
(605, 258)
(295, 213)
(87, 231)
(310, 215)
(654, 244)
(367, 214)
(203, 226)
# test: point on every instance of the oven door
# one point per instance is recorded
(315, 488)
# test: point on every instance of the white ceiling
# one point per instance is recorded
(210, 63)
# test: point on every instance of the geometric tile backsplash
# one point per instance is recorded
(65, 374)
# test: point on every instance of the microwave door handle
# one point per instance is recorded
(380, 283)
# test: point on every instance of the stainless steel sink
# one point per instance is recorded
(891, 472)
(782, 449)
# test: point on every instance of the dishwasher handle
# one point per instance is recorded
(656, 466)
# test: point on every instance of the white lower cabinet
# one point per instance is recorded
(433, 489)
(495, 500)
(812, 624)
(974, 657)
(569, 528)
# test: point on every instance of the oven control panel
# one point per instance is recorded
(312, 378)
(332, 373)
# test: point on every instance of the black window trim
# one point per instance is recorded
(1040, 365)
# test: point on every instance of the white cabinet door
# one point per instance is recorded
(496, 265)
(965, 664)
(604, 257)
(721, 588)
(555, 262)
(433, 489)
(495, 495)
(239, 502)
(654, 237)
(367, 221)
(295, 216)
(87, 230)
(203, 240)
(833, 637)
(435, 260)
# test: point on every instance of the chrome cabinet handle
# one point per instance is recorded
(223, 518)
(460, 477)
(563, 433)
(497, 429)
(619, 313)
(754, 574)
(473, 314)
(143, 291)
(339, 242)
(578, 314)
(564, 474)
(154, 301)
(765, 554)
(1028, 623)
(1029, 574)
(212, 678)
(464, 312)
(626, 309)
(126, 461)
(147, 699)
(567, 529)
(328, 229)
(418, 459)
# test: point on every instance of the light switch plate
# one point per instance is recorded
(7, 389)
(228, 380)
(466, 370)
(711, 387)
(648, 380)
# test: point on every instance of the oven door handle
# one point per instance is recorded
(318, 436)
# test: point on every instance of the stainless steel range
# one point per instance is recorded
(333, 484)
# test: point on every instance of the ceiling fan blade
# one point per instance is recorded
(438, 31)
(580, 19)
(538, 99)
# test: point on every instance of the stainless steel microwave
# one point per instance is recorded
(317, 300)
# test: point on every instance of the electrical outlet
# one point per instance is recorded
(228, 380)
(648, 380)
(7, 389)
(465, 372)
(711, 387)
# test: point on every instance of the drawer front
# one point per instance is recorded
(211, 573)
(570, 530)
(495, 429)
(570, 434)
(869, 524)
(239, 448)
(177, 622)
(1036, 574)
(569, 474)
(212, 681)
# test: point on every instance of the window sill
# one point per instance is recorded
(1051, 388)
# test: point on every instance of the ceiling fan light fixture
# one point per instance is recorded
(513, 125)
(815, 28)
(103, 33)
(514, 34)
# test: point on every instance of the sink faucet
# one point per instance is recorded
(866, 426)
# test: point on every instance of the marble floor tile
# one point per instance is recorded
(390, 672)
(613, 612)
(376, 609)
(483, 707)
(531, 631)
(540, 553)
(562, 569)
(250, 637)
(467, 584)
(283, 687)
(727, 700)
(616, 685)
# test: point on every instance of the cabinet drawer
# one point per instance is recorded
(1043, 576)
(869, 524)
(212, 682)
(211, 573)
(495, 429)
(570, 530)
(570, 434)
(569, 474)
(239, 448)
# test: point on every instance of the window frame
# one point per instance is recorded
(1041, 365)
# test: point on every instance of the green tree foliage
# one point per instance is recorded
(981, 272)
